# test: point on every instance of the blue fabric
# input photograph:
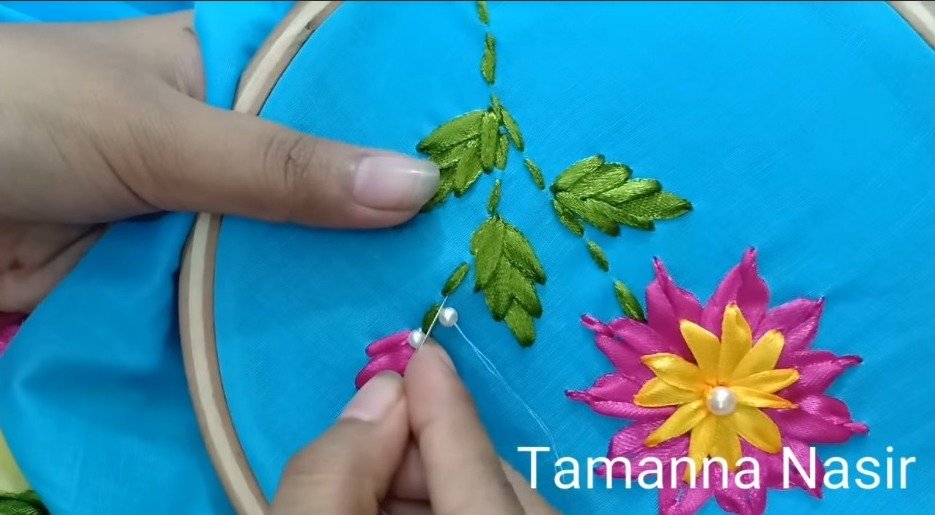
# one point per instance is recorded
(786, 130)
(802, 129)
(94, 400)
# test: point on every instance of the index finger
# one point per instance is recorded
(462, 468)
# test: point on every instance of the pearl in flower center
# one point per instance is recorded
(722, 401)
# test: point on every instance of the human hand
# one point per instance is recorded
(100, 122)
(367, 463)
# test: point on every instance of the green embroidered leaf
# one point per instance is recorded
(575, 172)
(520, 323)
(487, 247)
(488, 63)
(446, 185)
(603, 195)
(509, 123)
(628, 303)
(568, 219)
(598, 256)
(494, 201)
(503, 149)
(489, 140)
(535, 172)
(507, 272)
(458, 130)
(455, 279)
(482, 13)
(25, 503)
(429, 317)
(468, 169)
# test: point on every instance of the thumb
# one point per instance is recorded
(350, 468)
(231, 163)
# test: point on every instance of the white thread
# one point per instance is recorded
(496, 373)
(431, 326)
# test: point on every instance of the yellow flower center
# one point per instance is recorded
(719, 397)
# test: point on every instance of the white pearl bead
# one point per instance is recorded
(722, 401)
(416, 338)
(448, 317)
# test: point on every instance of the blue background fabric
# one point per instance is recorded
(93, 396)
(805, 130)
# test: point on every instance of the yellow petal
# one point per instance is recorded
(674, 370)
(701, 443)
(758, 399)
(756, 428)
(736, 340)
(657, 393)
(726, 444)
(762, 357)
(769, 381)
(704, 346)
(679, 423)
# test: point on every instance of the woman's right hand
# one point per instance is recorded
(407, 446)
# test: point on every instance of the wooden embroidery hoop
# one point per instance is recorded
(196, 281)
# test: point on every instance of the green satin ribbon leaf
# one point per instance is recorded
(482, 13)
(576, 172)
(487, 246)
(603, 195)
(446, 186)
(429, 317)
(451, 133)
(503, 149)
(628, 302)
(509, 124)
(600, 259)
(507, 271)
(455, 279)
(25, 503)
(494, 201)
(489, 140)
(468, 169)
(536, 173)
(568, 219)
(488, 63)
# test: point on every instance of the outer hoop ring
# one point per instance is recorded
(196, 281)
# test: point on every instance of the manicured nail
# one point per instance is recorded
(389, 181)
(375, 399)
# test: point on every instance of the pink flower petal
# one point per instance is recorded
(629, 443)
(9, 326)
(818, 419)
(612, 395)
(682, 499)
(742, 286)
(396, 361)
(667, 305)
(733, 499)
(625, 358)
(393, 342)
(643, 339)
(797, 321)
(817, 370)
(801, 451)
(596, 325)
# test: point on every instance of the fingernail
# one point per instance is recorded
(375, 399)
(388, 181)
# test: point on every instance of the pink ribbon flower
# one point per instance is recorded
(732, 379)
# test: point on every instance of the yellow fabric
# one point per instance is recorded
(734, 362)
(11, 479)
